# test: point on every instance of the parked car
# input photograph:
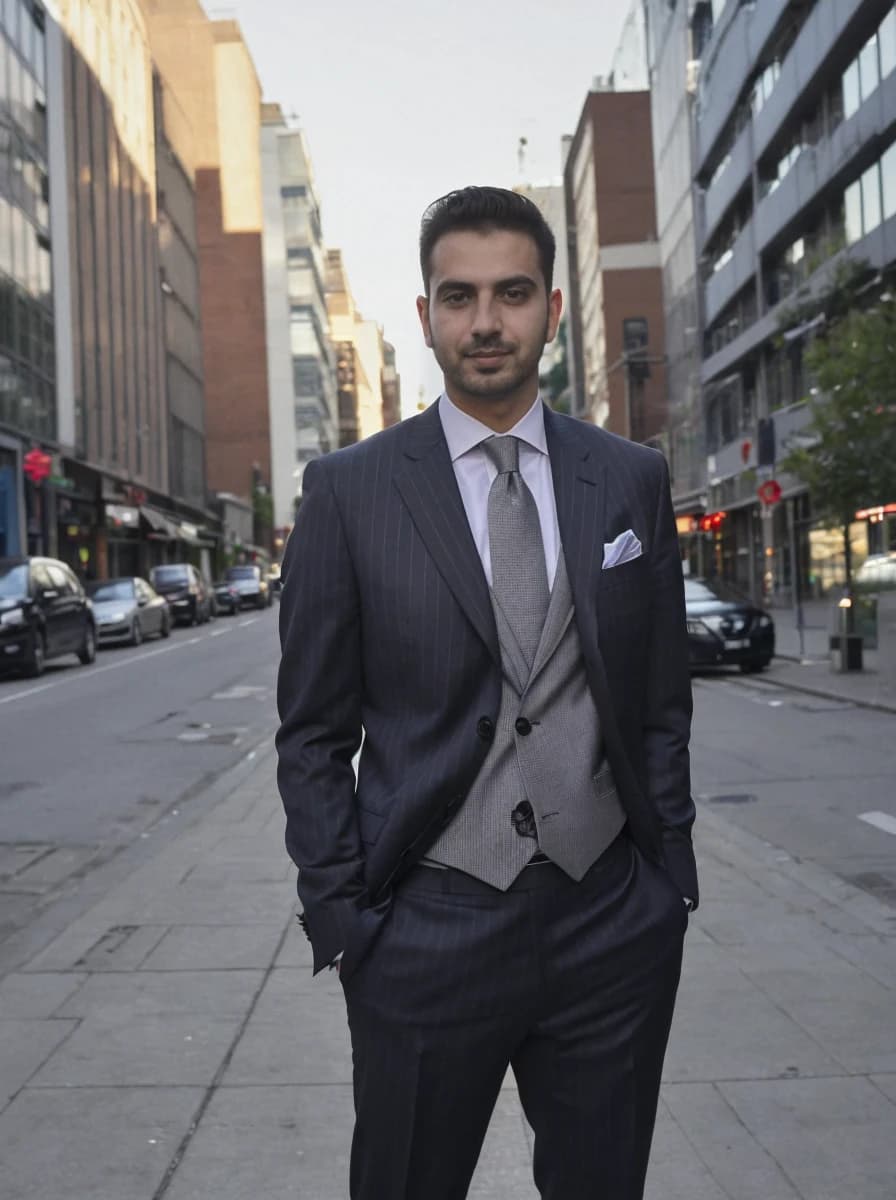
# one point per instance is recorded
(44, 613)
(227, 597)
(252, 586)
(274, 580)
(128, 610)
(878, 570)
(725, 628)
(187, 593)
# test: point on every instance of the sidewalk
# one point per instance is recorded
(171, 1044)
(874, 686)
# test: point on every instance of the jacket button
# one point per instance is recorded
(486, 728)
(523, 727)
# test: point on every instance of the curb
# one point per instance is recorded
(884, 706)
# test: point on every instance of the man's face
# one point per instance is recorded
(488, 315)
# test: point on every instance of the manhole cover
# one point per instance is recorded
(732, 798)
(222, 737)
(240, 692)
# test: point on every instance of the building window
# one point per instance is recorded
(888, 179)
(852, 204)
(871, 198)
(852, 92)
(869, 67)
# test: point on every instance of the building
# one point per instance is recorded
(677, 34)
(391, 386)
(108, 506)
(175, 145)
(554, 367)
(301, 363)
(359, 348)
(796, 169)
(28, 359)
(616, 305)
(208, 65)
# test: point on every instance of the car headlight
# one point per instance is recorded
(713, 622)
(764, 621)
(13, 616)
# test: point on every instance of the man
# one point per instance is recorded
(492, 592)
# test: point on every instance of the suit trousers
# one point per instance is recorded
(570, 984)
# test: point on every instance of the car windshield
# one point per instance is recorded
(241, 572)
(13, 581)
(165, 575)
(113, 589)
(701, 591)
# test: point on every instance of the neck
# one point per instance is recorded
(499, 414)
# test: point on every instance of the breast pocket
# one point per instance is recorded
(631, 578)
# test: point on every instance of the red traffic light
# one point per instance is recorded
(37, 465)
(712, 522)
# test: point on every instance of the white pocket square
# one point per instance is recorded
(622, 549)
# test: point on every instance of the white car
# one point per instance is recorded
(878, 570)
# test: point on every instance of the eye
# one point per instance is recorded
(515, 295)
(454, 299)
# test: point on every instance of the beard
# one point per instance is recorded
(464, 374)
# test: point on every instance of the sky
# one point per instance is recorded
(404, 100)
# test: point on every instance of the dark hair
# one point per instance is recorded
(485, 208)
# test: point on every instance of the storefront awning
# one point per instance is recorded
(189, 533)
(161, 527)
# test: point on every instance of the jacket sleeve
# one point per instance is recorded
(319, 702)
(668, 700)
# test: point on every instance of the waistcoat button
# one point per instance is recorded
(523, 727)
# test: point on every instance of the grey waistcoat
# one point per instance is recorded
(555, 766)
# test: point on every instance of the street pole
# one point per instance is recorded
(795, 575)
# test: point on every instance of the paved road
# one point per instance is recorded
(96, 759)
(102, 760)
(815, 776)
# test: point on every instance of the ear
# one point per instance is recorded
(555, 308)
(423, 314)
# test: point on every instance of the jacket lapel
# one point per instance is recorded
(428, 487)
(579, 489)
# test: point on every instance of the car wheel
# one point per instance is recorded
(754, 665)
(165, 631)
(38, 657)
(136, 633)
(87, 653)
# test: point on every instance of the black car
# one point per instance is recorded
(187, 593)
(44, 613)
(250, 583)
(724, 628)
(227, 597)
(128, 610)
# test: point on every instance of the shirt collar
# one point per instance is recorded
(464, 433)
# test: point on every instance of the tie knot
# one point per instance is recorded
(504, 453)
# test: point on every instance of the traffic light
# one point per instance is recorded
(37, 465)
(712, 522)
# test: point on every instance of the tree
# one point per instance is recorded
(848, 451)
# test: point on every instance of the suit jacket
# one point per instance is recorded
(387, 627)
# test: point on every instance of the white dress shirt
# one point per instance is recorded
(475, 473)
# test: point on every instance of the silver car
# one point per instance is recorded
(129, 610)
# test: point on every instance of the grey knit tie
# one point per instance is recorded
(519, 573)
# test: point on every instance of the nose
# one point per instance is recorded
(486, 320)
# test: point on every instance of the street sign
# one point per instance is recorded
(769, 492)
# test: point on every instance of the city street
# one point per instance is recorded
(109, 757)
(160, 1032)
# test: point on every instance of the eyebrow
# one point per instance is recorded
(460, 285)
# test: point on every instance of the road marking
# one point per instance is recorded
(219, 633)
(142, 656)
(251, 621)
(880, 820)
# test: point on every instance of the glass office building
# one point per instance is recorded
(27, 354)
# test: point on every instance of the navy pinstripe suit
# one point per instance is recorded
(387, 626)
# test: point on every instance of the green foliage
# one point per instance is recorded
(852, 460)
